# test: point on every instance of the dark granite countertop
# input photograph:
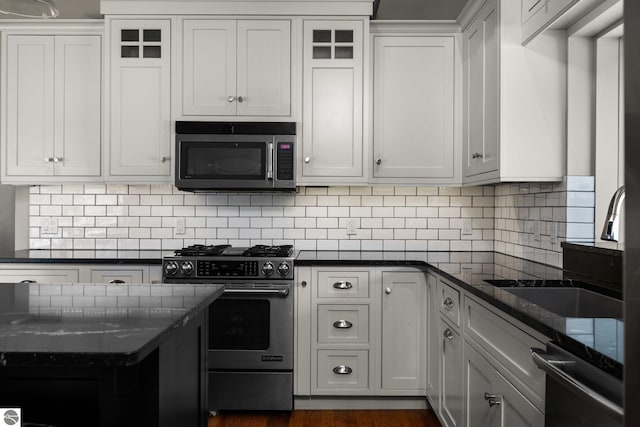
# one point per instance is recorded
(78, 256)
(605, 248)
(93, 324)
(597, 340)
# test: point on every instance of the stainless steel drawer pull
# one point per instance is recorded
(252, 291)
(552, 368)
(342, 324)
(448, 334)
(117, 281)
(28, 281)
(493, 399)
(342, 285)
(448, 303)
(342, 370)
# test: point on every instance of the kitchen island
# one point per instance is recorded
(105, 354)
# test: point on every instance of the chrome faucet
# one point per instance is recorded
(612, 223)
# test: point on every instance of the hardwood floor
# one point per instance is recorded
(342, 418)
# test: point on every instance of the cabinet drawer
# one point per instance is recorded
(15, 275)
(343, 370)
(508, 344)
(343, 323)
(343, 284)
(117, 276)
(449, 300)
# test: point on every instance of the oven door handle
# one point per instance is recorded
(280, 292)
(550, 366)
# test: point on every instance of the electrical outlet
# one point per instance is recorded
(352, 226)
(181, 228)
(467, 228)
(50, 226)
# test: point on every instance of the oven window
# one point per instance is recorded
(223, 160)
(239, 324)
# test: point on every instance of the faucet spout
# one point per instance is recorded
(612, 223)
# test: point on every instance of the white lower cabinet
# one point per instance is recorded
(485, 371)
(360, 331)
(451, 378)
(491, 400)
(403, 331)
(16, 273)
(79, 273)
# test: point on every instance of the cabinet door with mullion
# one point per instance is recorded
(140, 128)
(332, 117)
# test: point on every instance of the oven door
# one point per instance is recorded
(251, 328)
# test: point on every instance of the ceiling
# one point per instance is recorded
(389, 9)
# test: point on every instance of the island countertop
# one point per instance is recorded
(93, 324)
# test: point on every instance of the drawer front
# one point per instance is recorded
(40, 276)
(343, 284)
(117, 276)
(343, 323)
(343, 370)
(508, 344)
(449, 300)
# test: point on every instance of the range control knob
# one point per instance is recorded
(267, 269)
(283, 269)
(171, 268)
(187, 268)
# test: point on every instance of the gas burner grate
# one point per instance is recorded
(201, 250)
(272, 251)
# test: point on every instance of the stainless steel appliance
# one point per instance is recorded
(235, 156)
(250, 327)
(578, 394)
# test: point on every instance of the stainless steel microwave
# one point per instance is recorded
(231, 156)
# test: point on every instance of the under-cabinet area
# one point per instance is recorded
(371, 331)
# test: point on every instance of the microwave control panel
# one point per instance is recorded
(285, 161)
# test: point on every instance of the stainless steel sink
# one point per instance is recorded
(571, 302)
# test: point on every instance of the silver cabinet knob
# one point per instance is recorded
(304, 284)
(476, 156)
(307, 159)
(493, 399)
(378, 161)
(57, 159)
(165, 159)
(342, 285)
(387, 290)
(231, 98)
(342, 370)
(48, 159)
(448, 303)
(448, 334)
(241, 98)
(342, 324)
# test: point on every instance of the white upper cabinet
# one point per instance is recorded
(332, 121)
(413, 109)
(52, 101)
(514, 124)
(236, 67)
(140, 100)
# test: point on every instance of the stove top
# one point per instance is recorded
(213, 263)
(228, 250)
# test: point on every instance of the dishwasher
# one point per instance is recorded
(578, 394)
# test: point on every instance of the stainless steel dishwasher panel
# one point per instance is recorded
(578, 394)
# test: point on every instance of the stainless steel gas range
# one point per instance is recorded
(250, 328)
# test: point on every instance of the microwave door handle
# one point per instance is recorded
(270, 160)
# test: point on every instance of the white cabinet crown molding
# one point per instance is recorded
(413, 27)
(240, 7)
(38, 25)
(468, 12)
